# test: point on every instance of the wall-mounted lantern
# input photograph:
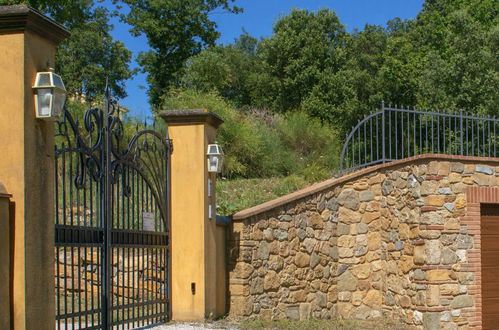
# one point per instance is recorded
(50, 95)
(215, 158)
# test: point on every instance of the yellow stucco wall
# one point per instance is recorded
(194, 236)
(27, 172)
(187, 222)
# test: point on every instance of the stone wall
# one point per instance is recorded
(137, 276)
(387, 241)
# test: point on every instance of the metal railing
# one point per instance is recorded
(394, 133)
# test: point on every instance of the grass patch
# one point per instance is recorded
(381, 324)
(239, 194)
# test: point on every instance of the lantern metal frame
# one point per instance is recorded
(50, 86)
(215, 158)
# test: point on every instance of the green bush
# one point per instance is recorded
(259, 144)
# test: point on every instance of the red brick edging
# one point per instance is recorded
(475, 196)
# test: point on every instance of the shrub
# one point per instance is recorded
(260, 144)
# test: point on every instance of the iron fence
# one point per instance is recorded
(394, 133)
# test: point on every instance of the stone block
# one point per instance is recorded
(315, 221)
(348, 216)
(484, 169)
(438, 275)
(243, 270)
(362, 271)
(349, 198)
(406, 264)
(434, 200)
(347, 282)
(431, 320)
(361, 185)
(305, 311)
(373, 298)
(344, 296)
(292, 313)
(428, 187)
(433, 252)
(302, 259)
(433, 295)
(462, 301)
(482, 179)
(387, 187)
(373, 241)
(368, 217)
(457, 167)
(366, 196)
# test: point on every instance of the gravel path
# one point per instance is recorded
(191, 326)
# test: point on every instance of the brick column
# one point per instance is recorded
(475, 196)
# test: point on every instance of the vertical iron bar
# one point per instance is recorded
(443, 134)
(472, 138)
(408, 133)
(389, 133)
(488, 135)
(396, 135)
(365, 144)
(432, 136)
(438, 135)
(461, 134)
(106, 216)
(383, 152)
(483, 138)
(377, 138)
(358, 141)
(402, 133)
(420, 135)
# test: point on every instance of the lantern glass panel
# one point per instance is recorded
(43, 80)
(44, 102)
(213, 149)
(58, 81)
(213, 164)
(58, 103)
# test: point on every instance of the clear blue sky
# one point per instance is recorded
(258, 18)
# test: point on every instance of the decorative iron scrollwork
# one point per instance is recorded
(145, 153)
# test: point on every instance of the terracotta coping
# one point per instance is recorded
(318, 187)
(195, 116)
(18, 18)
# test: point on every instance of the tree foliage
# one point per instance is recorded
(90, 59)
(175, 30)
(444, 58)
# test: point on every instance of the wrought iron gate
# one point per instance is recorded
(112, 223)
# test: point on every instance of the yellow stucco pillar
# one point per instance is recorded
(28, 42)
(193, 230)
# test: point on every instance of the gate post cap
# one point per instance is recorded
(187, 117)
(19, 18)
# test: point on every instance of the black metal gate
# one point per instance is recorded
(112, 222)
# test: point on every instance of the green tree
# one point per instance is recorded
(304, 46)
(90, 58)
(228, 70)
(176, 30)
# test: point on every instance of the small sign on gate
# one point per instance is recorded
(148, 221)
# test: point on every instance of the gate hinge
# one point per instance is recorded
(170, 145)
